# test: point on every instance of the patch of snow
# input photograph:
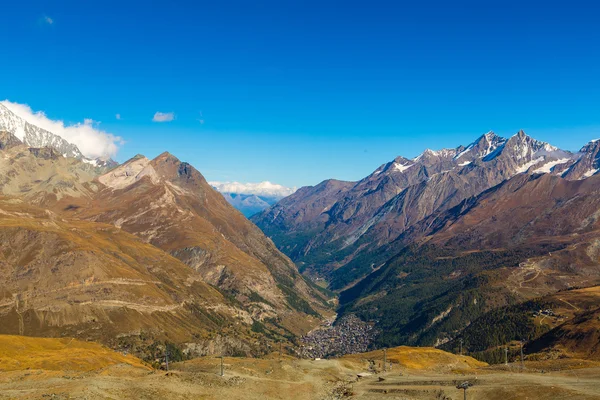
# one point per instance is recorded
(589, 173)
(401, 167)
(547, 168)
(528, 165)
(462, 164)
(440, 153)
(465, 151)
(88, 161)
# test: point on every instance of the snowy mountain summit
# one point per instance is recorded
(36, 137)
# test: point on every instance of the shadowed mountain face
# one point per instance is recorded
(424, 247)
(146, 251)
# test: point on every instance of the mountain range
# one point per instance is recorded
(433, 250)
(424, 247)
(136, 253)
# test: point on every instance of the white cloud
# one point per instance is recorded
(118, 116)
(163, 117)
(48, 20)
(92, 141)
(265, 188)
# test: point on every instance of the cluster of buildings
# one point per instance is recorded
(346, 336)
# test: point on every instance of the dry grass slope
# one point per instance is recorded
(19, 353)
(421, 359)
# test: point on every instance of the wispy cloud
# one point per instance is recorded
(265, 188)
(47, 20)
(118, 116)
(87, 135)
(163, 117)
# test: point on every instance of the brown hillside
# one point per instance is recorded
(170, 205)
(94, 281)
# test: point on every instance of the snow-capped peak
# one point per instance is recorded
(429, 154)
(34, 136)
(484, 146)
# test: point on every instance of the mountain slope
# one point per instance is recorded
(94, 281)
(528, 237)
(376, 210)
(170, 205)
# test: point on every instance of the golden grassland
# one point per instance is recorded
(19, 353)
(420, 358)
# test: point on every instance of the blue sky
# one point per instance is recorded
(299, 91)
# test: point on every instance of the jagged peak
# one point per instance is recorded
(590, 146)
(435, 153)
(522, 137)
(35, 136)
(484, 145)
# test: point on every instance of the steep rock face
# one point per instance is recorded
(169, 204)
(485, 145)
